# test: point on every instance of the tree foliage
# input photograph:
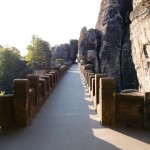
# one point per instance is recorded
(9, 58)
(38, 51)
(11, 67)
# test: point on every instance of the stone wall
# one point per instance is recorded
(19, 109)
(140, 37)
(128, 108)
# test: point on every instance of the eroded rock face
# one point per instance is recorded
(73, 50)
(140, 37)
(128, 72)
(145, 3)
(110, 22)
(88, 47)
(62, 52)
(115, 51)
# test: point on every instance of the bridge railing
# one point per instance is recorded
(127, 109)
(19, 108)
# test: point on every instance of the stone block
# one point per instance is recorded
(34, 84)
(97, 84)
(130, 110)
(107, 84)
(87, 79)
(107, 101)
(93, 88)
(47, 79)
(51, 80)
(32, 107)
(54, 77)
(41, 95)
(21, 102)
(6, 112)
(43, 82)
(91, 76)
(147, 111)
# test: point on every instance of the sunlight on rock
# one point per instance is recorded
(91, 107)
(85, 90)
(93, 117)
(87, 94)
(88, 99)
(84, 86)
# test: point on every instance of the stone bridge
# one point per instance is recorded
(81, 112)
(77, 107)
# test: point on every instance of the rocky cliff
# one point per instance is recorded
(88, 47)
(110, 23)
(111, 43)
(140, 38)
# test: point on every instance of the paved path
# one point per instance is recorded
(67, 121)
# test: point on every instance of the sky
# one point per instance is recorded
(56, 21)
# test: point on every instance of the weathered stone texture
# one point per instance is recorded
(73, 50)
(88, 47)
(130, 109)
(107, 101)
(110, 23)
(145, 3)
(115, 50)
(128, 72)
(62, 52)
(140, 37)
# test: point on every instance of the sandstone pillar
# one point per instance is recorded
(21, 102)
(107, 101)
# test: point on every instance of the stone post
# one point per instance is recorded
(86, 75)
(34, 83)
(91, 76)
(21, 102)
(88, 79)
(97, 84)
(51, 80)
(107, 101)
(147, 111)
(93, 88)
(43, 82)
(6, 112)
(47, 79)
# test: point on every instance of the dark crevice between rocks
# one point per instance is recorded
(128, 73)
(125, 6)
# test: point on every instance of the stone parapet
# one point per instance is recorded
(21, 102)
(19, 109)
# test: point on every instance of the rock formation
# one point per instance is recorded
(62, 52)
(110, 23)
(88, 47)
(73, 50)
(140, 38)
(113, 46)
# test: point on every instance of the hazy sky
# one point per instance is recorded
(56, 21)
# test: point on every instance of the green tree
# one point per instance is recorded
(38, 51)
(9, 59)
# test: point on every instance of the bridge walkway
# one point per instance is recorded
(67, 121)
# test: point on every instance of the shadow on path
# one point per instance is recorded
(66, 121)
